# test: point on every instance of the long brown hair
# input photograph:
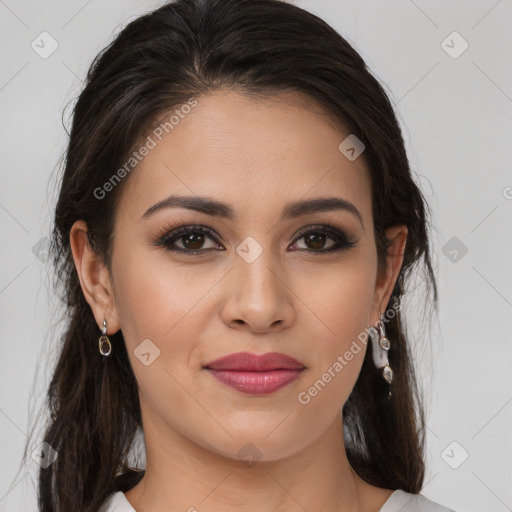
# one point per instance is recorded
(185, 49)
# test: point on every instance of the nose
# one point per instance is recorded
(259, 298)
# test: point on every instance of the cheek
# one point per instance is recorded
(164, 302)
(341, 302)
(155, 297)
(158, 301)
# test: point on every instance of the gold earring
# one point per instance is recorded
(104, 343)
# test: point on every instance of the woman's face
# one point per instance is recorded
(274, 271)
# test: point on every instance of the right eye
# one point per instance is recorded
(191, 238)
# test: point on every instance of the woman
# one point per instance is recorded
(237, 217)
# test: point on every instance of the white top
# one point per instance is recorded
(399, 501)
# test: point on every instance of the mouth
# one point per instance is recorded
(255, 374)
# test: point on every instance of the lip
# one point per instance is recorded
(245, 361)
(255, 374)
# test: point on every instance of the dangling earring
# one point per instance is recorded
(104, 343)
(381, 346)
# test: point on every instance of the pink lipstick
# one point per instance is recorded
(255, 374)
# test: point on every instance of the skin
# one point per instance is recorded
(256, 155)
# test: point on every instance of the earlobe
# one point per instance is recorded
(94, 278)
(387, 276)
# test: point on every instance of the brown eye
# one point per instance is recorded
(189, 240)
(193, 241)
(316, 239)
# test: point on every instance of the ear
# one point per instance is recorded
(387, 276)
(94, 278)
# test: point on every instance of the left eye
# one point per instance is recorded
(316, 240)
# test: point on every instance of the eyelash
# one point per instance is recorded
(170, 237)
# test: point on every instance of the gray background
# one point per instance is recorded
(456, 117)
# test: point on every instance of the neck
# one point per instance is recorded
(182, 475)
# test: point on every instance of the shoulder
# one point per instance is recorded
(401, 501)
(117, 502)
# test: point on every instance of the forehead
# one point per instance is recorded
(254, 153)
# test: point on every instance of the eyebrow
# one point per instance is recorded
(291, 210)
